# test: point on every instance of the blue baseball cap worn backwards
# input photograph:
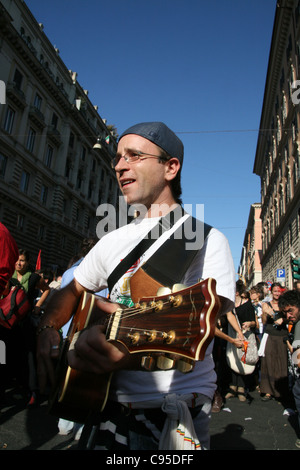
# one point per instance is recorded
(159, 134)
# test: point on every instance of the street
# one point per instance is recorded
(252, 425)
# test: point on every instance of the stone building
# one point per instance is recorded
(52, 179)
(277, 159)
(250, 266)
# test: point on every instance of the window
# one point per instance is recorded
(31, 139)
(9, 120)
(18, 78)
(44, 194)
(41, 232)
(83, 153)
(68, 168)
(290, 235)
(20, 222)
(24, 183)
(71, 140)
(79, 179)
(90, 189)
(54, 121)
(37, 102)
(65, 206)
(63, 242)
(3, 163)
(49, 156)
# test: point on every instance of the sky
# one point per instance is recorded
(198, 65)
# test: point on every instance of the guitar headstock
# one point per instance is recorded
(180, 323)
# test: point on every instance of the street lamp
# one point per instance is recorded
(97, 145)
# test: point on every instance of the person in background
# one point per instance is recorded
(297, 285)
(289, 305)
(25, 332)
(9, 254)
(257, 296)
(244, 312)
(265, 286)
(274, 379)
(219, 355)
(56, 282)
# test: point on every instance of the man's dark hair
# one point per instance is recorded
(290, 297)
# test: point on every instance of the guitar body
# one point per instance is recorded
(168, 331)
(76, 393)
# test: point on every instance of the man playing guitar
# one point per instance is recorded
(148, 167)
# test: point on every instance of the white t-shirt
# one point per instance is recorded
(213, 260)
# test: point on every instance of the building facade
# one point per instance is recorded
(277, 159)
(52, 179)
(250, 270)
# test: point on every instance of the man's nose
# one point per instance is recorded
(121, 165)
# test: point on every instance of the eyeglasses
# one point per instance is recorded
(132, 156)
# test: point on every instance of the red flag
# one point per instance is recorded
(38, 262)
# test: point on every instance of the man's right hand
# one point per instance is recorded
(93, 353)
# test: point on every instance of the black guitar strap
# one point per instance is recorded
(164, 223)
(169, 263)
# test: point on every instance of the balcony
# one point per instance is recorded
(16, 95)
(37, 117)
(54, 135)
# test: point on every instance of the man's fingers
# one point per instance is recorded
(92, 352)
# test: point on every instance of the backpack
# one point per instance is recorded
(14, 307)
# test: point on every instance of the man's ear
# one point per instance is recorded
(172, 166)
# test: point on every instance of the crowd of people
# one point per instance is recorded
(20, 367)
(256, 309)
(20, 340)
(260, 310)
(151, 407)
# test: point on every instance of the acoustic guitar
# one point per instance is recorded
(167, 331)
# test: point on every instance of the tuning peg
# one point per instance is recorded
(176, 300)
(169, 337)
(163, 291)
(134, 337)
(184, 365)
(150, 335)
(157, 305)
(141, 306)
(148, 363)
(178, 287)
(165, 362)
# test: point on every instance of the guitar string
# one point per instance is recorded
(130, 312)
